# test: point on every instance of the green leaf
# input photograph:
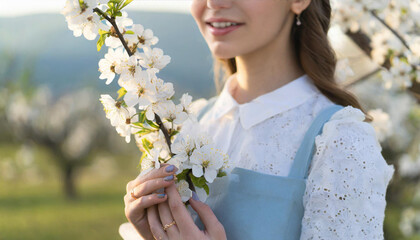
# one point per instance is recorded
(206, 187)
(198, 181)
(142, 116)
(126, 3)
(138, 124)
(221, 174)
(183, 175)
(173, 133)
(129, 32)
(144, 131)
(101, 41)
(102, 31)
(121, 92)
(147, 144)
(118, 14)
(152, 124)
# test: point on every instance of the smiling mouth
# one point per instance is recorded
(222, 25)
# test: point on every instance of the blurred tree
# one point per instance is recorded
(71, 127)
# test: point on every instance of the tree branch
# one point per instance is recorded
(130, 53)
(390, 29)
(364, 77)
(165, 132)
(117, 30)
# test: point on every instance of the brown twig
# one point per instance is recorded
(117, 30)
(364, 77)
(130, 53)
(162, 127)
(390, 29)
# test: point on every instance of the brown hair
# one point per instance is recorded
(314, 53)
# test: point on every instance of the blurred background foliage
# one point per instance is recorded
(63, 168)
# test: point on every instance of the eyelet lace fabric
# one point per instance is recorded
(347, 177)
(346, 187)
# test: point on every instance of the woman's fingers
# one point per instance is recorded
(179, 211)
(151, 186)
(209, 220)
(163, 171)
(167, 219)
(155, 223)
(137, 206)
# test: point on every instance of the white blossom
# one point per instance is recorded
(164, 91)
(400, 71)
(381, 123)
(140, 90)
(114, 110)
(184, 190)
(123, 23)
(153, 58)
(343, 70)
(141, 37)
(110, 65)
(410, 221)
(125, 129)
(183, 148)
(129, 69)
(409, 166)
(81, 19)
(157, 139)
(207, 161)
(174, 113)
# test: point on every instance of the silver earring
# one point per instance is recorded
(298, 22)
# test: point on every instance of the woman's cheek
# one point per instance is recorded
(197, 8)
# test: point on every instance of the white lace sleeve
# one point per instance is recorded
(347, 181)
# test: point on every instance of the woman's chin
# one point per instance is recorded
(223, 53)
(223, 56)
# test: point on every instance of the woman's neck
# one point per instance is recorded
(265, 70)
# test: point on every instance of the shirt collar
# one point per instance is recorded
(267, 105)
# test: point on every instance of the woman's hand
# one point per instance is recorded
(144, 187)
(174, 210)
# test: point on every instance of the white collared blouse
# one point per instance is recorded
(348, 176)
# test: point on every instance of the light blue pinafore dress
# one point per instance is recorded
(253, 205)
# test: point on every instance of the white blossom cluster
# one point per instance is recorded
(144, 104)
(410, 222)
(381, 123)
(81, 19)
(403, 17)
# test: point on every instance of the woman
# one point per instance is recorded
(279, 93)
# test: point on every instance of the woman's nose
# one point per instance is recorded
(216, 4)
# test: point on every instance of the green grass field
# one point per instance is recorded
(41, 212)
(38, 209)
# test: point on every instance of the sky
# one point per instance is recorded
(13, 8)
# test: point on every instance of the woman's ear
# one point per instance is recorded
(298, 6)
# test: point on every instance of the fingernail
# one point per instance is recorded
(168, 178)
(170, 168)
(160, 190)
(195, 196)
(162, 195)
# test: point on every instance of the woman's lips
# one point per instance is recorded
(222, 31)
